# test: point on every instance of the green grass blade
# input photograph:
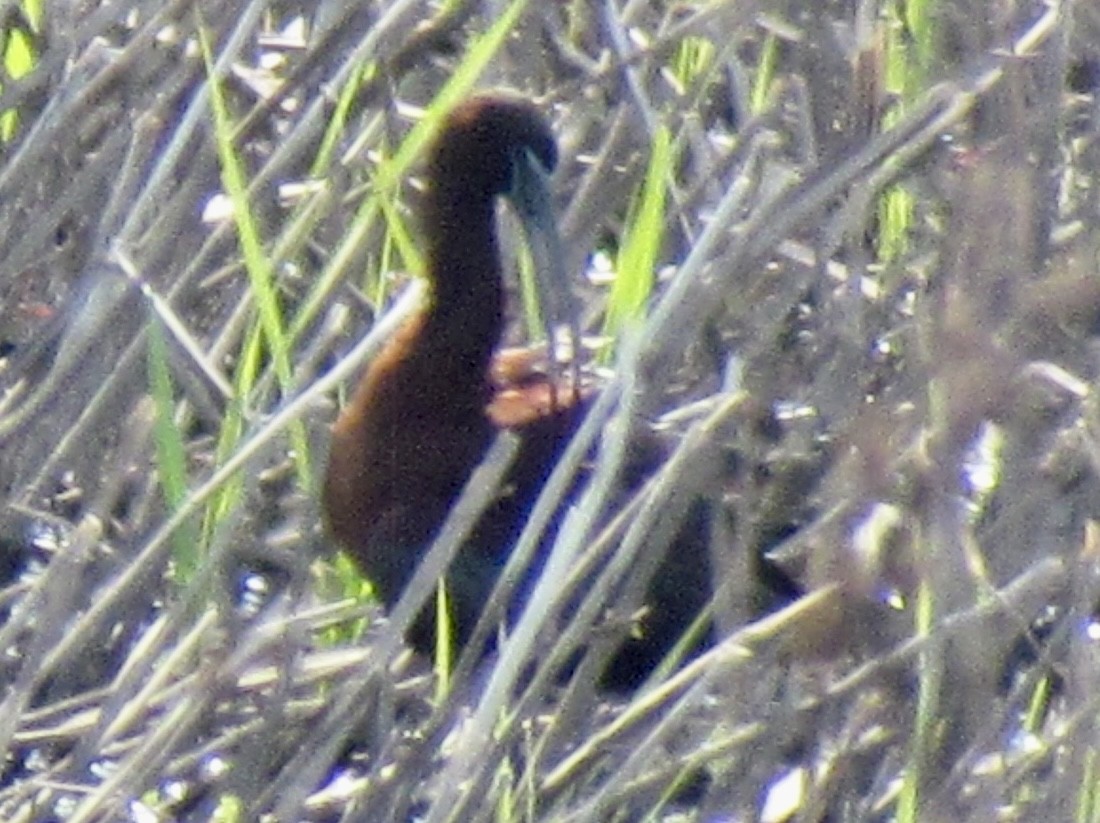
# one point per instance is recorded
(766, 68)
(641, 247)
(338, 123)
(171, 454)
(260, 269)
(20, 55)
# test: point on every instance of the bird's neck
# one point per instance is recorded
(466, 311)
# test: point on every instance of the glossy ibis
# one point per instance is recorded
(428, 407)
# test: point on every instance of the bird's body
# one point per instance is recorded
(429, 407)
(426, 411)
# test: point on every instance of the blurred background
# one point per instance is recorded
(838, 257)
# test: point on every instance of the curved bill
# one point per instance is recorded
(530, 196)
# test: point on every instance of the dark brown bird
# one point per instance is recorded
(427, 409)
